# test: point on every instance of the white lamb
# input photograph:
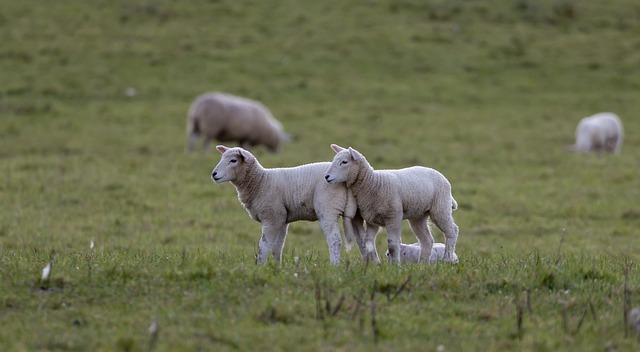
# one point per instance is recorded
(228, 118)
(410, 253)
(386, 197)
(277, 197)
(600, 133)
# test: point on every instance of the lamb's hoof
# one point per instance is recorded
(451, 260)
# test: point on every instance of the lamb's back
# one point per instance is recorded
(416, 183)
(297, 187)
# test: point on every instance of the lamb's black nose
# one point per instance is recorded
(213, 174)
(326, 177)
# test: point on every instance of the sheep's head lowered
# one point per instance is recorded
(232, 165)
(345, 165)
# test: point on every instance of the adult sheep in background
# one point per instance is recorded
(228, 118)
(386, 197)
(276, 197)
(601, 133)
(410, 253)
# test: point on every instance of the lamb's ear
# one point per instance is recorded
(244, 154)
(222, 148)
(355, 154)
(336, 148)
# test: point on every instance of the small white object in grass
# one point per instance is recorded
(46, 271)
(130, 92)
(91, 245)
(634, 319)
(153, 328)
(440, 348)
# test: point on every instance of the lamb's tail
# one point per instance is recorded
(193, 131)
(454, 204)
(193, 126)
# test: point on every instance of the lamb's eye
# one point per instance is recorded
(343, 162)
(233, 161)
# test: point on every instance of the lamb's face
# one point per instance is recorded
(227, 168)
(339, 169)
(409, 253)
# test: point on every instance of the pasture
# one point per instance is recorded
(149, 254)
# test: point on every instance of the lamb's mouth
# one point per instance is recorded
(216, 178)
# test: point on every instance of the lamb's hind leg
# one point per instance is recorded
(394, 239)
(420, 228)
(444, 221)
(193, 139)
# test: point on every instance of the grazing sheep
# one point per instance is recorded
(600, 133)
(229, 118)
(277, 197)
(386, 197)
(410, 253)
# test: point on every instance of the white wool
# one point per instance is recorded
(602, 133)
(410, 253)
(385, 197)
(276, 197)
(229, 118)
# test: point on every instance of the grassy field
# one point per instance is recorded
(93, 102)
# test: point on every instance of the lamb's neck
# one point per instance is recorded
(250, 184)
(366, 181)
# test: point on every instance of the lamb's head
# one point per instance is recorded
(232, 163)
(408, 253)
(345, 165)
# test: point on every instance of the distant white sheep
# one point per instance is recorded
(600, 133)
(410, 253)
(386, 197)
(279, 196)
(228, 118)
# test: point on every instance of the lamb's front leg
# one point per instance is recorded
(331, 231)
(394, 233)
(278, 245)
(270, 234)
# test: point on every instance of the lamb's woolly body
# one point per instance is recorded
(278, 196)
(414, 190)
(386, 197)
(410, 253)
(602, 133)
(229, 118)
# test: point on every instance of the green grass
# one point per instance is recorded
(489, 93)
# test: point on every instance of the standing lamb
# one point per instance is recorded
(386, 197)
(410, 253)
(228, 118)
(600, 133)
(277, 197)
